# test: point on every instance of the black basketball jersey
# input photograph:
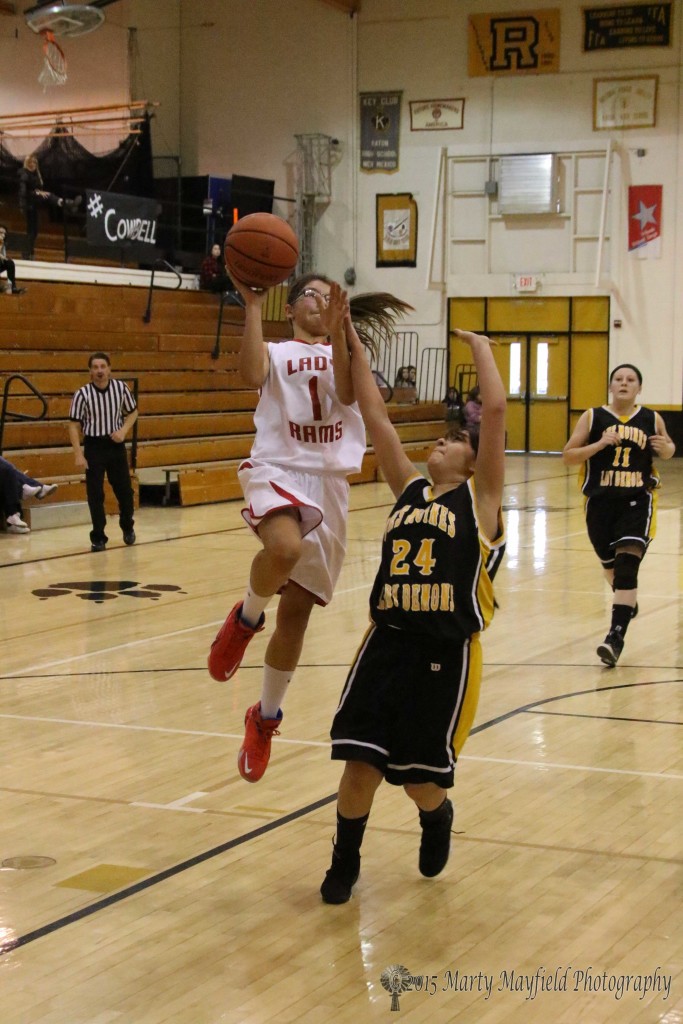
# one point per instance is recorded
(436, 573)
(625, 468)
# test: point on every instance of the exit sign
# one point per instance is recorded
(526, 282)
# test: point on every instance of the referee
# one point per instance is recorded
(105, 410)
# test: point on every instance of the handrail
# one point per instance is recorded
(134, 440)
(19, 415)
(159, 263)
(216, 350)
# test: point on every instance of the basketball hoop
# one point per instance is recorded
(64, 19)
(60, 18)
(54, 61)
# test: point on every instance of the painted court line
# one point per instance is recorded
(575, 767)
(316, 743)
(130, 644)
(154, 728)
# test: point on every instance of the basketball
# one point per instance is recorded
(261, 250)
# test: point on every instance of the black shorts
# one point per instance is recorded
(620, 519)
(408, 705)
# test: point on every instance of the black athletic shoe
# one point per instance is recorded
(98, 545)
(435, 845)
(610, 649)
(129, 537)
(340, 879)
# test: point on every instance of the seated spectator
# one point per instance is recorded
(212, 273)
(15, 486)
(403, 378)
(412, 376)
(32, 194)
(7, 264)
(453, 403)
(472, 409)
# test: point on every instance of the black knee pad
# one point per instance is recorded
(626, 568)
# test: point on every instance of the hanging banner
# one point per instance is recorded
(124, 221)
(396, 225)
(380, 119)
(626, 25)
(519, 43)
(645, 221)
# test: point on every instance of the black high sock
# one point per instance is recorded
(350, 832)
(621, 616)
(433, 817)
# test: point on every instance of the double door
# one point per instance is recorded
(535, 368)
(552, 355)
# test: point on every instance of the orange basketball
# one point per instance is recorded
(261, 250)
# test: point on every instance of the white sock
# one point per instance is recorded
(274, 688)
(28, 491)
(253, 607)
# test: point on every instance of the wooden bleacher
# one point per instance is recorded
(195, 421)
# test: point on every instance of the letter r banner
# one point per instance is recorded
(525, 43)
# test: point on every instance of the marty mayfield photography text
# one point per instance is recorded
(562, 979)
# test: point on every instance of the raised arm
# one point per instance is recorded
(577, 450)
(254, 361)
(395, 464)
(333, 317)
(489, 470)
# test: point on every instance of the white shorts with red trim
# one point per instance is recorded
(322, 503)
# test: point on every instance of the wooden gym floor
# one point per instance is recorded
(144, 882)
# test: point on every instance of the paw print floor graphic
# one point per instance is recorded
(106, 590)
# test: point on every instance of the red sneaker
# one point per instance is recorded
(228, 648)
(254, 754)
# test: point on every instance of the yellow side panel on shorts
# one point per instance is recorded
(653, 522)
(472, 688)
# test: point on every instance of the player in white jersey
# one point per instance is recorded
(309, 437)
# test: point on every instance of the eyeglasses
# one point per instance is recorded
(312, 293)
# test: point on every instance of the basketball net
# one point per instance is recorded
(54, 61)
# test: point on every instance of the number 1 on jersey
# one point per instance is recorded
(315, 401)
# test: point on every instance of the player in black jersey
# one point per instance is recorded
(614, 444)
(410, 697)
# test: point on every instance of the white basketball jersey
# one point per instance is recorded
(300, 422)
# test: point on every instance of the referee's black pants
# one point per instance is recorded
(106, 456)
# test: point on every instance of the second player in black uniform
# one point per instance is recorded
(614, 445)
(410, 697)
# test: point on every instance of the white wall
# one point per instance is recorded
(237, 80)
(421, 48)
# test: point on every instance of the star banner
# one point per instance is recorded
(645, 220)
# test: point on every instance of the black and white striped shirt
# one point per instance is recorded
(101, 411)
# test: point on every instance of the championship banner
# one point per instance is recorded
(519, 43)
(124, 221)
(380, 120)
(645, 221)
